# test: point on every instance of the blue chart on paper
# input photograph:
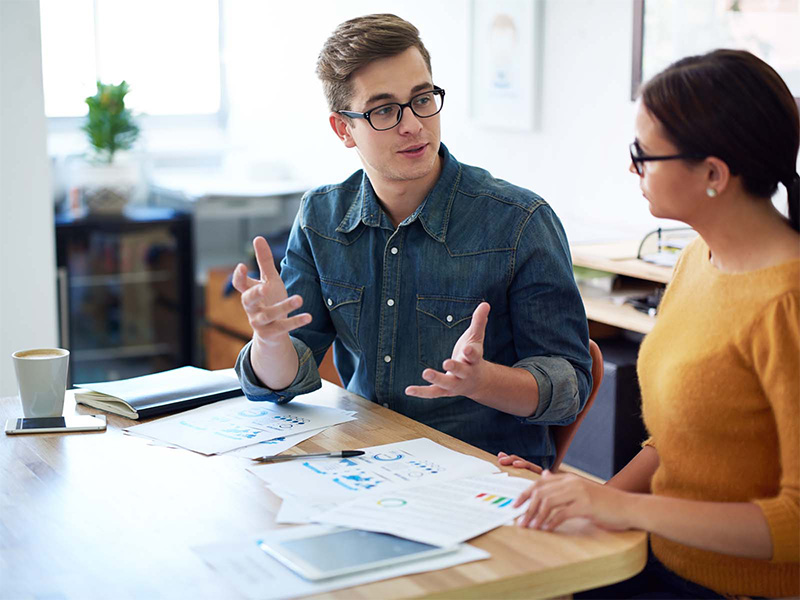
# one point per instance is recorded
(291, 419)
(254, 412)
(308, 465)
(357, 482)
(388, 456)
(237, 432)
(345, 475)
(275, 441)
(425, 466)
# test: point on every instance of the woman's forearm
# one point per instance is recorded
(738, 529)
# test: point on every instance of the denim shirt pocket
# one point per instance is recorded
(344, 304)
(441, 320)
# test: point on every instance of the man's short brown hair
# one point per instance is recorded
(357, 42)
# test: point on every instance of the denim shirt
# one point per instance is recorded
(394, 301)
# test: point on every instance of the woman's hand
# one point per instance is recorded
(515, 461)
(556, 498)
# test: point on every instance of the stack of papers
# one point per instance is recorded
(243, 428)
(415, 489)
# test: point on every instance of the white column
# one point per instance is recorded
(28, 315)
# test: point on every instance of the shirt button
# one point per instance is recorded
(387, 359)
(330, 302)
(385, 405)
(449, 318)
(394, 250)
(390, 302)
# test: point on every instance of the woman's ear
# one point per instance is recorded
(341, 127)
(718, 176)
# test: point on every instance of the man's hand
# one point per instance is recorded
(265, 300)
(465, 372)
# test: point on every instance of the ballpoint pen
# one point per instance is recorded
(340, 454)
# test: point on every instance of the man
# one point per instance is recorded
(400, 265)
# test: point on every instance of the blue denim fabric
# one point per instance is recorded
(394, 301)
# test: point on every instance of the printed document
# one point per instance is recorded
(442, 514)
(386, 467)
(238, 422)
(273, 447)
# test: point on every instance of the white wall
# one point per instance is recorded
(577, 159)
(27, 254)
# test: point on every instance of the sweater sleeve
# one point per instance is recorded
(776, 358)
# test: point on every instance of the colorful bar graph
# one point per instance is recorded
(499, 501)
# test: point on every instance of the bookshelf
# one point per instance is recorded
(618, 258)
(126, 286)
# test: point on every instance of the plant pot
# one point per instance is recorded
(105, 188)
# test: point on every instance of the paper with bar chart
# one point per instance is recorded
(441, 514)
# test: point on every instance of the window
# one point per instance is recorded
(168, 52)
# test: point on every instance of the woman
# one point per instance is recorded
(716, 484)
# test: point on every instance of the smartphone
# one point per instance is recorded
(320, 552)
(56, 424)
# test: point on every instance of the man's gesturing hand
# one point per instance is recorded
(464, 371)
(265, 300)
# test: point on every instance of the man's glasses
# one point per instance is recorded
(638, 158)
(386, 116)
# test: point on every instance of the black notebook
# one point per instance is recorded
(160, 393)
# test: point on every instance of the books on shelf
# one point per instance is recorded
(160, 393)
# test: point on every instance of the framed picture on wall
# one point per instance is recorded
(666, 30)
(505, 43)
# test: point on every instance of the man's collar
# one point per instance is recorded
(433, 213)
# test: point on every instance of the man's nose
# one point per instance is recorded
(409, 122)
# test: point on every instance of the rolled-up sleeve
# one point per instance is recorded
(307, 379)
(551, 334)
(559, 395)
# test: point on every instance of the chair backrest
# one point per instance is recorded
(564, 434)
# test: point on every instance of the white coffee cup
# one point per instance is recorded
(42, 380)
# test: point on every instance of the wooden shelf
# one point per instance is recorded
(618, 258)
(624, 316)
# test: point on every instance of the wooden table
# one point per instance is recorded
(106, 515)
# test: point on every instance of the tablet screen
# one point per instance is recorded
(352, 547)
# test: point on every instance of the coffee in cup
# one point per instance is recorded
(42, 380)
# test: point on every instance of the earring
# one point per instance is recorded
(711, 192)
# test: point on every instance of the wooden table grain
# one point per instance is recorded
(108, 515)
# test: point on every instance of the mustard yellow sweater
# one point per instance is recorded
(720, 380)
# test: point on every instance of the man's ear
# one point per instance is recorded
(718, 174)
(341, 127)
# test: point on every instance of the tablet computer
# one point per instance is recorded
(320, 552)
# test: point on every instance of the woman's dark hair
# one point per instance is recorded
(732, 105)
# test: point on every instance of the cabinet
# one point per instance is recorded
(126, 285)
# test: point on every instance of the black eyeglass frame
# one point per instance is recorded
(637, 159)
(366, 115)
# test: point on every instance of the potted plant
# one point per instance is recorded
(106, 180)
(109, 125)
